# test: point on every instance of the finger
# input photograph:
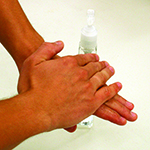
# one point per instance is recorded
(83, 59)
(100, 78)
(121, 109)
(107, 92)
(46, 51)
(124, 102)
(109, 114)
(94, 67)
(71, 129)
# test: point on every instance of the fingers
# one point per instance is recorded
(100, 78)
(116, 110)
(121, 109)
(83, 59)
(107, 92)
(109, 114)
(94, 67)
(45, 52)
(124, 102)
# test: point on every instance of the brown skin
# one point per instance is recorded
(21, 40)
(32, 112)
(81, 76)
(117, 103)
(42, 106)
(16, 33)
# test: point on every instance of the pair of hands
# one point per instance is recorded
(68, 89)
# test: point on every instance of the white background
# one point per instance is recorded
(123, 40)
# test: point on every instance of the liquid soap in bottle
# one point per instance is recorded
(88, 44)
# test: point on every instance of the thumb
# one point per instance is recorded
(46, 51)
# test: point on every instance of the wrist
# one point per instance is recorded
(30, 42)
(37, 117)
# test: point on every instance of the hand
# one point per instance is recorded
(68, 85)
(116, 110)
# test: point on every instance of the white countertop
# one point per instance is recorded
(123, 40)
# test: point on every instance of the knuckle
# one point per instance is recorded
(110, 91)
(73, 60)
(83, 74)
(107, 91)
(83, 56)
(99, 66)
(95, 66)
(97, 80)
(69, 61)
(103, 64)
(103, 78)
(88, 86)
(92, 56)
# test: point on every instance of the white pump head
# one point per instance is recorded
(90, 17)
(89, 33)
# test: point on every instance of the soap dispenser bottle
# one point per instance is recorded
(88, 44)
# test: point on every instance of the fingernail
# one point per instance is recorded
(133, 114)
(106, 63)
(97, 58)
(129, 105)
(58, 42)
(123, 119)
(119, 85)
(111, 69)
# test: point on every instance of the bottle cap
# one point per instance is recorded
(89, 32)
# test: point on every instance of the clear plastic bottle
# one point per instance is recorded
(88, 44)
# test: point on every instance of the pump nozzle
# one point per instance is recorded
(90, 17)
(88, 41)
